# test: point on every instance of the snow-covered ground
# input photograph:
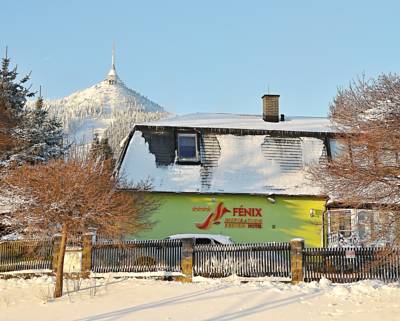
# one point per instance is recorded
(205, 299)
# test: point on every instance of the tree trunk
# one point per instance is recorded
(60, 263)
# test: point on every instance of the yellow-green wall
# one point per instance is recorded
(287, 218)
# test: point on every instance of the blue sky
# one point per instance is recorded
(205, 56)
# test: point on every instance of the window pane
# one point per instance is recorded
(203, 241)
(187, 147)
(337, 146)
(340, 222)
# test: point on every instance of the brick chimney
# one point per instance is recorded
(271, 108)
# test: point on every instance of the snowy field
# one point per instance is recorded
(228, 299)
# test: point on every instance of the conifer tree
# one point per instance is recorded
(95, 147)
(101, 150)
(25, 135)
(106, 148)
(13, 95)
(42, 134)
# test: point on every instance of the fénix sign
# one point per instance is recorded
(238, 217)
(250, 211)
(245, 218)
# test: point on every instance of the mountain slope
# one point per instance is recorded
(108, 96)
(107, 108)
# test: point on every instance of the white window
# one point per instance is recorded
(339, 221)
(337, 147)
(188, 148)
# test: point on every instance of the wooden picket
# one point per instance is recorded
(248, 260)
(25, 255)
(136, 256)
(342, 265)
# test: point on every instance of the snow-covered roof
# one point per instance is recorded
(248, 163)
(255, 122)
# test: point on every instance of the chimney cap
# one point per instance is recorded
(270, 95)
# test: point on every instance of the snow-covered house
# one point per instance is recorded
(237, 175)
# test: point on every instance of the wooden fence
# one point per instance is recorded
(287, 260)
(136, 256)
(25, 255)
(248, 260)
(342, 265)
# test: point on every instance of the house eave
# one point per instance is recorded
(241, 131)
(266, 194)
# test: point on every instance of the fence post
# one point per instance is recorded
(87, 255)
(56, 251)
(296, 259)
(187, 260)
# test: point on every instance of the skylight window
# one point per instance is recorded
(188, 148)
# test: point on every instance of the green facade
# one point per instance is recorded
(245, 218)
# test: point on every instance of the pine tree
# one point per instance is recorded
(25, 135)
(106, 148)
(95, 149)
(13, 96)
(42, 134)
(101, 150)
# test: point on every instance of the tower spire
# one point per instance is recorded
(113, 56)
(112, 77)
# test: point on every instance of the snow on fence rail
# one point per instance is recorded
(343, 265)
(26, 255)
(248, 260)
(137, 256)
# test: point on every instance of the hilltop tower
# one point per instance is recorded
(112, 77)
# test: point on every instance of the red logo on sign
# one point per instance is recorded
(214, 218)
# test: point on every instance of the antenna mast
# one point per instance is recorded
(113, 56)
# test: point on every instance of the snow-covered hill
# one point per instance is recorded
(108, 108)
(108, 96)
(94, 109)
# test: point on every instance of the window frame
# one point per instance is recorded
(185, 160)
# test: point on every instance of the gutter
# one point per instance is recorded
(229, 193)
